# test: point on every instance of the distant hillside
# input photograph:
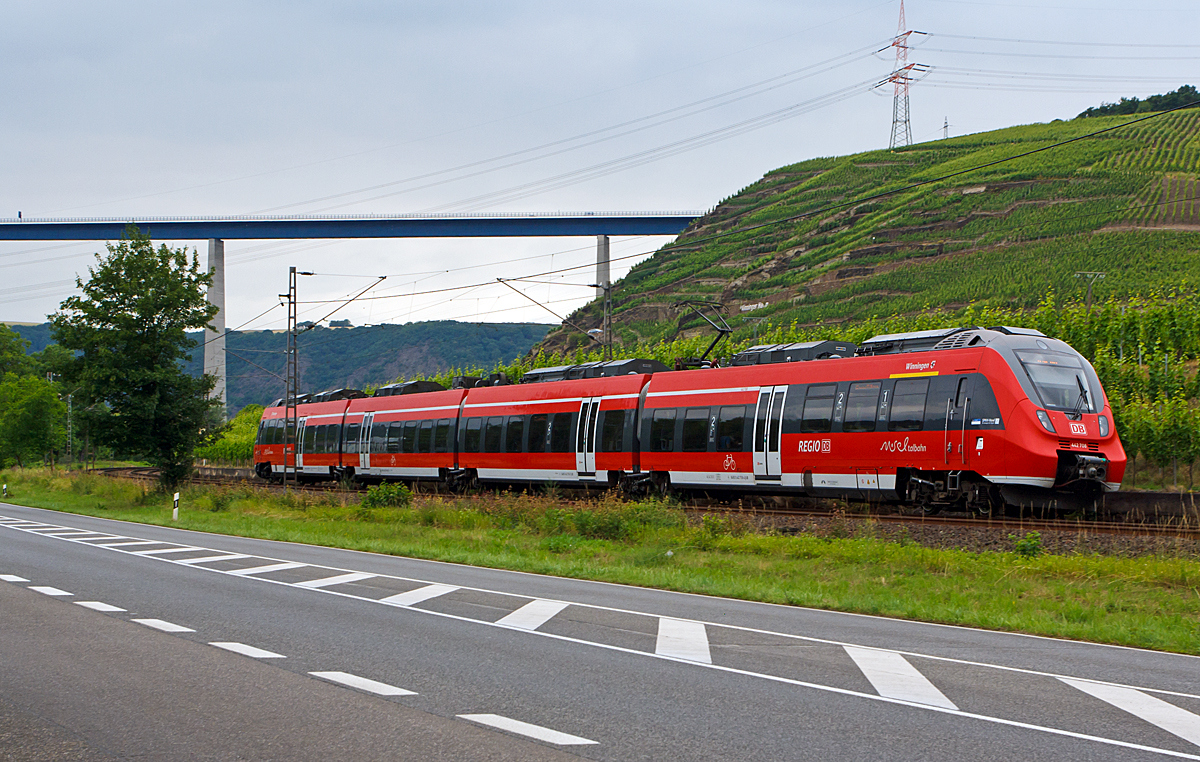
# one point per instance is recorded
(353, 357)
(1002, 236)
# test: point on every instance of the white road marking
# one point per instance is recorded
(46, 529)
(101, 537)
(126, 544)
(265, 569)
(66, 531)
(681, 639)
(892, 675)
(159, 624)
(533, 614)
(418, 595)
(527, 729)
(340, 579)
(98, 606)
(362, 683)
(12, 578)
(1154, 710)
(48, 590)
(163, 551)
(211, 559)
(245, 650)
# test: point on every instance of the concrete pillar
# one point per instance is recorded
(602, 275)
(214, 347)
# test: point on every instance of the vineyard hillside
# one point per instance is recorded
(808, 246)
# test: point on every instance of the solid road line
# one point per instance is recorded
(251, 651)
(125, 544)
(340, 579)
(892, 675)
(268, 568)
(527, 729)
(163, 551)
(159, 624)
(420, 594)
(681, 639)
(45, 590)
(213, 559)
(533, 614)
(12, 578)
(1154, 710)
(98, 606)
(362, 683)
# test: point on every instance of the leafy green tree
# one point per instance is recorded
(32, 419)
(129, 327)
(12, 352)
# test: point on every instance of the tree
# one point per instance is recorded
(32, 419)
(129, 328)
(12, 352)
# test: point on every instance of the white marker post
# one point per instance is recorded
(175, 513)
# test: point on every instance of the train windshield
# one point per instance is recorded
(1060, 381)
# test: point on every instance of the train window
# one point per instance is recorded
(662, 431)
(290, 428)
(730, 428)
(612, 431)
(774, 422)
(560, 432)
(538, 430)
(493, 434)
(908, 404)
(441, 436)
(960, 398)
(395, 433)
(260, 437)
(514, 434)
(860, 410)
(352, 432)
(695, 430)
(333, 438)
(310, 439)
(409, 441)
(425, 437)
(268, 434)
(379, 437)
(471, 437)
(818, 410)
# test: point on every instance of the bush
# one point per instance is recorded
(1029, 546)
(387, 495)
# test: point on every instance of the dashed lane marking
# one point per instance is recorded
(214, 559)
(266, 569)
(892, 675)
(159, 624)
(12, 578)
(526, 729)
(45, 590)
(340, 579)
(362, 683)
(98, 606)
(533, 614)
(1154, 710)
(682, 639)
(413, 597)
(251, 651)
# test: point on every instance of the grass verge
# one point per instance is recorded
(1149, 602)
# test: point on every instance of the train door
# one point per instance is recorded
(585, 436)
(768, 432)
(954, 436)
(364, 442)
(300, 426)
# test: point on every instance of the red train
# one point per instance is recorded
(967, 417)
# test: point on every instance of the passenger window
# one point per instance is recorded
(960, 399)
(493, 434)
(662, 431)
(425, 437)
(310, 439)
(560, 432)
(514, 434)
(379, 432)
(538, 425)
(908, 404)
(395, 434)
(612, 431)
(441, 436)
(860, 410)
(409, 443)
(695, 430)
(472, 438)
(730, 428)
(818, 409)
(352, 433)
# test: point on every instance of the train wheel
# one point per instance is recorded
(661, 482)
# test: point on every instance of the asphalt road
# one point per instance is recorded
(123, 640)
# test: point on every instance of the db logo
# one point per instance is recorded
(816, 445)
(1078, 428)
(730, 463)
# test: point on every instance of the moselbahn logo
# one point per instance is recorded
(901, 445)
(816, 445)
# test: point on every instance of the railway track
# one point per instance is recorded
(1162, 526)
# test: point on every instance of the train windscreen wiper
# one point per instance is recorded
(1083, 398)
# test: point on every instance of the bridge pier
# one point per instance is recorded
(214, 338)
(602, 272)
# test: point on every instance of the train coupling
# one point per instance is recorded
(1077, 467)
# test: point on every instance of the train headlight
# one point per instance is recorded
(1103, 425)
(1045, 419)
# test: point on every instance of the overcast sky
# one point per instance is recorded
(148, 108)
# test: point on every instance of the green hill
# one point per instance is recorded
(1004, 236)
